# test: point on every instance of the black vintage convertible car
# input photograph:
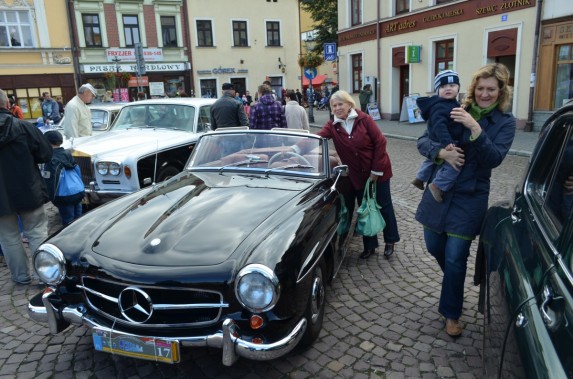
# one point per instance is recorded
(233, 253)
(525, 265)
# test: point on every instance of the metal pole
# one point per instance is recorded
(310, 112)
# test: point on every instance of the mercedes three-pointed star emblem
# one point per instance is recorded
(135, 305)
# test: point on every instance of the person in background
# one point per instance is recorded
(361, 145)
(364, 97)
(78, 120)
(24, 193)
(107, 97)
(226, 111)
(295, 114)
(15, 109)
(61, 106)
(267, 113)
(298, 96)
(450, 226)
(70, 207)
(50, 109)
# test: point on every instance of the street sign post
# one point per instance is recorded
(310, 73)
(330, 52)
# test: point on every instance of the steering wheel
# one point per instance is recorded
(288, 154)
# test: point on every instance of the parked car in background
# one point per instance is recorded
(103, 116)
(233, 253)
(525, 265)
(150, 141)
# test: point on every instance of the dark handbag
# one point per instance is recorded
(370, 221)
(344, 218)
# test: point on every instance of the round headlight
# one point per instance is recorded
(50, 264)
(102, 168)
(114, 169)
(257, 288)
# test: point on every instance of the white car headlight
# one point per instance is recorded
(257, 288)
(114, 169)
(102, 168)
(50, 264)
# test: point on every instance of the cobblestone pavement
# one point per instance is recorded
(381, 318)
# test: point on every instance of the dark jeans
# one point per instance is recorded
(451, 253)
(69, 213)
(384, 199)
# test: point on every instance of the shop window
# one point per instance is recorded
(168, 31)
(402, 6)
(131, 30)
(356, 73)
(273, 33)
(444, 56)
(208, 88)
(355, 12)
(204, 33)
(15, 29)
(564, 75)
(92, 30)
(240, 34)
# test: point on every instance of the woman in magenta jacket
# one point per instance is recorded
(362, 146)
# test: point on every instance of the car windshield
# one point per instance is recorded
(165, 116)
(266, 152)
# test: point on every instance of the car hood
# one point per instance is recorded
(126, 141)
(195, 221)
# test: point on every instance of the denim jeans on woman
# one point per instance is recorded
(452, 254)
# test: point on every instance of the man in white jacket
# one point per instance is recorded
(295, 114)
(78, 120)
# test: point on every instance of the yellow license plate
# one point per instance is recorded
(153, 349)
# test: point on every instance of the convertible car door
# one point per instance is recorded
(528, 330)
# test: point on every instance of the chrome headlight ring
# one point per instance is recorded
(257, 288)
(50, 264)
(108, 168)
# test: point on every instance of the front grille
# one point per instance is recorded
(85, 164)
(172, 306)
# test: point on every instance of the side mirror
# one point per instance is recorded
(338, 171)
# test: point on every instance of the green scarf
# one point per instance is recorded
(478, 113)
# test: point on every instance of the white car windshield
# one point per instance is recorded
(260, 151)
(165, 116)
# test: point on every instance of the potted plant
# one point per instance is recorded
(310, 60)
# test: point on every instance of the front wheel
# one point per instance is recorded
(314, 312)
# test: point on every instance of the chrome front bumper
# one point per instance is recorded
(94, 195)
(42, 309)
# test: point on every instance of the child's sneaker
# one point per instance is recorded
(437, 193)
(418, 184)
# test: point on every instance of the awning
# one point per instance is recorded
(318, 80)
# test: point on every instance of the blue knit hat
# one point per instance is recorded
(446, 77)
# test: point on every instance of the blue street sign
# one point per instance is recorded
(330, 51)
(310, 73)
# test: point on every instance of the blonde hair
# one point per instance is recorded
(492, 70)
(343, 96)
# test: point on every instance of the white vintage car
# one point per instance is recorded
(150, 141)
(103, 116)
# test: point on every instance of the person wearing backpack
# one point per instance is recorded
(69, 205)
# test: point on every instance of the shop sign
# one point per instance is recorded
(413, 54)
(128, 55)
(149, 67)
(156, 89)
(141, 81)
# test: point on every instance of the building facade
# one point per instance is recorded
(110, 35)
(244, 44)
(35, 52)
(377, 39)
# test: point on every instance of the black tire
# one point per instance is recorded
(314, 312)
(166, 173)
